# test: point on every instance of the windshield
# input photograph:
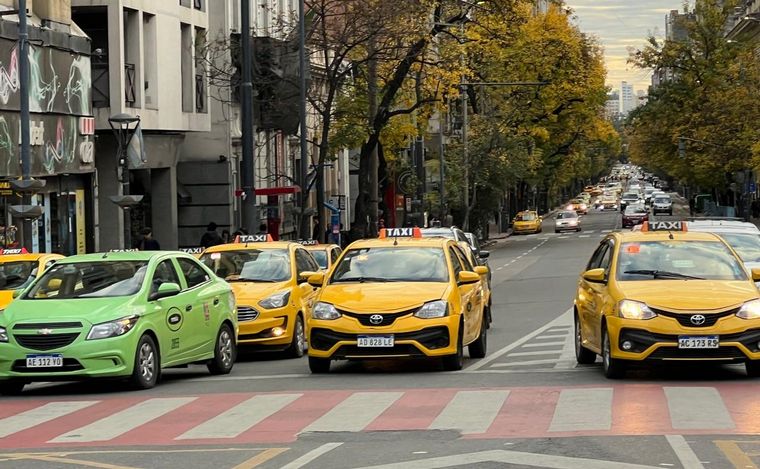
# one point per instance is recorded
(747, 245)
(562, 215)
(395, 264)
(250, 265)
(630, 195)
(15, 275)
(525, 217)
(320, 256)
(709, 260)
(97, 279)
(662, 200)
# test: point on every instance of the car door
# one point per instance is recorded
(599, 295)
(170, 315)
(305, 263)
(468, 294)
(479, 293)
(201, 308)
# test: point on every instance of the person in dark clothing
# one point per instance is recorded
(315, 230)
(147, 243)
(211, 237)
(262, 229)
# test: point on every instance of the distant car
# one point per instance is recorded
(743, 237)
(629, 198)
(480, 255)
(648, 194)
(444, 232)
(527, 221)
(578, 206)
(609, 202)
(567, 220)
(635, 215)
(662, 204)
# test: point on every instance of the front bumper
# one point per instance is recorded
(264, 330)
(525, 228)
(413, 337)
(657, 339)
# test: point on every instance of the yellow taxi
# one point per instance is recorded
(578, 206)
(470, 262)
(527, 221)
(18, 268)
(663, 293)
(324, 254)
(269, 281)
(398, 296)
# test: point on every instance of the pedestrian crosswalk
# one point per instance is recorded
(255, 418)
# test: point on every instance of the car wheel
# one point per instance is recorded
(583, 355)
(147, 366)
(556, 231)
(478, 348)
(225, 352)
(298, 344)
(753, 368)
(11, 387)
(578, 230)
(613, 368)
(319, 365)
(455, 361)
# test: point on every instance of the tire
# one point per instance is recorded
(455, 362)
(556, 231)
(319, 365)
(225, 352)
(11, 387)
(613, 367)
(489, 317)
(583, 355)
(479, 348)
(298, 345)
(578, 230)
(753, 368)
(147, 365)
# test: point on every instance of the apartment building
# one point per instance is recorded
(146, 62)
(743, 25)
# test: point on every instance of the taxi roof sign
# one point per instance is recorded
(400, 233)
(9, 252)
(664, 226)
(193, 250)
(254, 238)
(308, 242)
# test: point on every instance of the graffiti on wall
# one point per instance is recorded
(59, 81)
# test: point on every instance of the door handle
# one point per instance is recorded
(188, 307)
(216, 301)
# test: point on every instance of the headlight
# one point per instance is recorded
(583, 207)
(278, 300)
(629, 309)
(3, 335)
(572, 221)
(570, 207)
(433, 309)
(113, 328)
(324, 311)
(750, 310)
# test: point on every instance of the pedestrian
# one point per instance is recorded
(226, 238)
(211, 237)
(315, 230)
(262, 229)
(147, 243)
(691, 206)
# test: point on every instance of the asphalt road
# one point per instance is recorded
(526, 404)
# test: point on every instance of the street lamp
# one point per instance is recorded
(123, 130)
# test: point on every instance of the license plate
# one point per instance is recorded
(44, 361)
(707, 341)
(375, 341)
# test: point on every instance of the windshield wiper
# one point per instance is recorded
(362, 279)
(662, 274)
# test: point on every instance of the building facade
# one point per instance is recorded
(612, 106)
(627, 98)
(61, 128)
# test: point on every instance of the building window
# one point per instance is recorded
(199, 5)
(132, 65)
(201, 97)
(150, 58)
(187, 78)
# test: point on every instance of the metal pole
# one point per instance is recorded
(441, 170)
(23, 68)
(248, 203)
(305, 228)
(466, 159)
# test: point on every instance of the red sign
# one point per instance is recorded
(87, 126)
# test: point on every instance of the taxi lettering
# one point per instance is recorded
(196, 250)
(667, 226)
(257, 238)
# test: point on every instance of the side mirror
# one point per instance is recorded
(595, 276)
(165, 290)
(484, 254)
(316, 279)
(304, 276)
(466, 277)
(755, 275)
(481, 270)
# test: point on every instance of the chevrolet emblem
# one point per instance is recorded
(45, 331)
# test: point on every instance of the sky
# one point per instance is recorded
(619, 25)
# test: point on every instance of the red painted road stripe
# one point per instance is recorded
(526, 412)
(743, 404)
(416, 410)
(639, 410)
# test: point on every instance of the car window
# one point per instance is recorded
(194, 273)
(456, 263)
(320, 255)
(250, 265)
(465, 259)
(562, 215)
(15, 274)
(304, 262)
(334, 254)
(606, 259)
(525, 217)
(97, 279)
(165, 273)
(747, 245)
(710, 260)
(596, 258)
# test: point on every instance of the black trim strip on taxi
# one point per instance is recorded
(431, 338)
(642, 340)
(388, 318)
(47, 325)
(684, 319)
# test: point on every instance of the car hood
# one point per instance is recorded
(84, 310)
(689, 294)
(6, 296)
(382, 297)
(250, 293)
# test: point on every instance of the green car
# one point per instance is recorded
(118, 314)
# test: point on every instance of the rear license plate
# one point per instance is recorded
(44, 361)
(707, 341)
(375, 341)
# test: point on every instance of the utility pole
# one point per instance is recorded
(374, 160)
(465, 150)
(249, 215)
(304, 164)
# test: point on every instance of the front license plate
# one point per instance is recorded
(375, 341)
(707, 341)
(44, 361)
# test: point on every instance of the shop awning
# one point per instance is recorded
(282, 190)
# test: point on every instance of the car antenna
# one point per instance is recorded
(670, 235)
(105, 254)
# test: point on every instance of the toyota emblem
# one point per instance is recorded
(697, 319)
(376, 319)
(45, 331)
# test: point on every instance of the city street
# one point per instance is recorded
(527, 404)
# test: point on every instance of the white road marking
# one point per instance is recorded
(552, 336)
(240, 418)
(39, 415)
(470, 411)
(583, 410)
(584, 236)
(684, 452)
(697, 408)
(567, 359)
(124, 421)
(311, 456)
(590, 231)
(606, 231)
(564, 318)
(354, 413)
(543, 344)
(535, 352)
(526, 363)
